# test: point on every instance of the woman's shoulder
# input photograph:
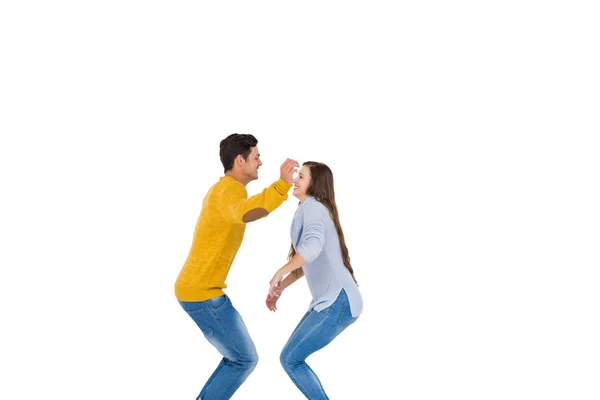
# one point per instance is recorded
(313, 205)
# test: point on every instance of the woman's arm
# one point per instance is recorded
(288, 269)
(275, 292)
(291, 278)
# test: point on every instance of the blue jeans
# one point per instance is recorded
(224, 328)
(315, 331)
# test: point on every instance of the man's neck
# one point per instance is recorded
(238, 177)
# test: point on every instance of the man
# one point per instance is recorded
(226, 210)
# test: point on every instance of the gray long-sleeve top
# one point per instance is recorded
(315, 238)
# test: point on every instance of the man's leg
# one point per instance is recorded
(224, 328)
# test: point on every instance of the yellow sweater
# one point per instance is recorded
(219, 232)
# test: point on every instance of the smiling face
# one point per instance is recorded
(301, 183)
(251, 164)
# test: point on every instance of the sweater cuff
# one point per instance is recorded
(282, 186)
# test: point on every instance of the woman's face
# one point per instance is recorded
(301, 183)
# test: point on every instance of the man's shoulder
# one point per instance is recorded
(226, 187)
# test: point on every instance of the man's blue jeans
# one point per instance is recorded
(224, 328)
(315, 331)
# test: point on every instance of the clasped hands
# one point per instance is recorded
(275, 291)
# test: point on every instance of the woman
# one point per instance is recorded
(318, 252)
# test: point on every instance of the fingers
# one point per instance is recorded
(271, 303)
(290, 164)
(287, 170)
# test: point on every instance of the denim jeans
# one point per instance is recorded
(224, 328)
(315, 331)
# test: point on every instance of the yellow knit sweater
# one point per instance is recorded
(218, 235)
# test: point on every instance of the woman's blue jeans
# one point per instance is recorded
(315, 331)
(224, 328)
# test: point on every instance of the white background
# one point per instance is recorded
(461, 137)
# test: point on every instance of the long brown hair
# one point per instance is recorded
(321, 188)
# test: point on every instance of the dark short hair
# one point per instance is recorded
(234, 145)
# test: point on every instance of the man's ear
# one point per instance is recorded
(239, 160)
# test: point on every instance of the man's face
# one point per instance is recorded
(251, 165)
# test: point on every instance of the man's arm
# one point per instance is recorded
(239, 209)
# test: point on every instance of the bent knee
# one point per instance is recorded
(249, 361)
(286, 359)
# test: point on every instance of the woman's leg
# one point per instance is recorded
(315, 331)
